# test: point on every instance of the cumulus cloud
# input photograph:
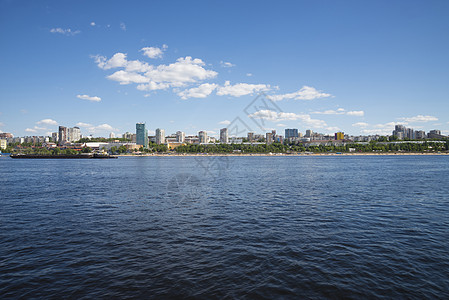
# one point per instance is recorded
(241, 89)
(186, 70)
(419, 118)
(92, 24)
(30, 130)
(154, 52)
(68, 31)
(305, 93)
(201, 91)
(47, 122)
(249, 74)
(96, 128)
(89, 98)
(225, 122)
(274, 116)
(122, 26)
(116, 61)
(226, 64)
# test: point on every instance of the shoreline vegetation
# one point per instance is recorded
(280, 154)
(274, 149)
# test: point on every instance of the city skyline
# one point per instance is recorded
(353, 67)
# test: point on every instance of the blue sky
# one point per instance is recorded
(355, 66)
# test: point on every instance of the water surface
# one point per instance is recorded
(237, 227)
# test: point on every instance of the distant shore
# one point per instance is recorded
(280, 154)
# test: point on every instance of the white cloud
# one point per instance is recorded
(185, 70)
(95, 129)
(357, 113)
(240, 89)
(226, 64)
(249, 74)
(92, 24)
(225, 122)
(154, 52)
(81, 124)
(89, 98)
(341, 111)
(333, 129)
(281, 125)
(30, 130)
(305, 93)
(47, 122)
(360, 124)
(124, 77)
(68, 31)
(282, 116)
(419, 118)
(201, 91)
(122, 26)
(116, 61)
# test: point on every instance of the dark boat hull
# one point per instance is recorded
(75, 156)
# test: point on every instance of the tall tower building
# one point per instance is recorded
(62, 137)
(180, 136)
(269, 137)
(160, 136)
(291, 133)
(202, 136)
(141, 135)
(224, 139)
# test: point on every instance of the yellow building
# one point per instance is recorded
(174, 145)
(339, 136)
(3, 144)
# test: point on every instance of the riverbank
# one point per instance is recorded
(280, 154)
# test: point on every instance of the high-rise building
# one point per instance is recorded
(3, 143)
(269, 137)
(141, 135)
(55, 137)
(6, 135)
(160, 136)
(420, 134)
(339, 136)
(127, 136)
(291, 133)
(62, 135)
(224, 139)
(202, 136)
(180, 137)
(73, 134)
(309, 133)
(250, 136)
(400, 131)
(435, 134)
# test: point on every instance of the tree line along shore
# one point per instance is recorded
(274, 148)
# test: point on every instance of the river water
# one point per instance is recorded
(225, 227)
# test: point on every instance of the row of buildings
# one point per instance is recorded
(402, 132)
(67, 136)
